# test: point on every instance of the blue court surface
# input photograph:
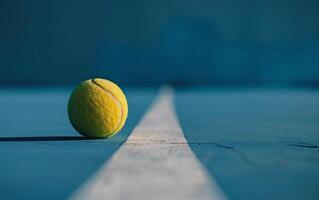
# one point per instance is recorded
(256, 143)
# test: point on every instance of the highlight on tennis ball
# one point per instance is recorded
(97, 108)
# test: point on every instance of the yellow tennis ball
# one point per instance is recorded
(97, 108)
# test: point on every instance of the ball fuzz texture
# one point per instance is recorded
(97, 108)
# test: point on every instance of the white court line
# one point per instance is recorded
(155, 163)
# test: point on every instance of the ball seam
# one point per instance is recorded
(118, 101)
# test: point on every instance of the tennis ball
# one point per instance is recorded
(97, 108)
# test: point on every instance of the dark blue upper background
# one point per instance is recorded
(151, 42)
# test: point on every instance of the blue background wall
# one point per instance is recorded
(150, 42)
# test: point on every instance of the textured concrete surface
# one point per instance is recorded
(258, 144)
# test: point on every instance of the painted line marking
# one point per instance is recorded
(155, 162)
